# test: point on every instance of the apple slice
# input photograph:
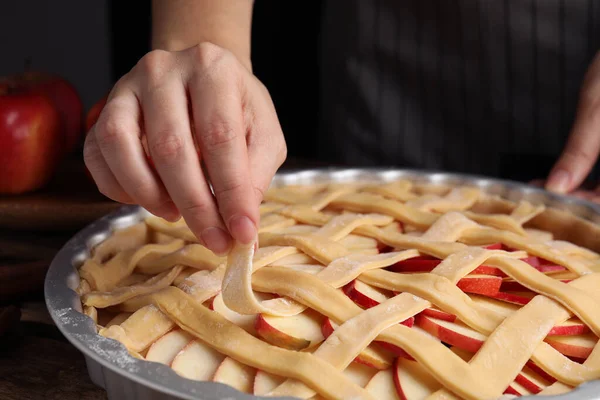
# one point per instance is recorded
(235, 374)
(572, 326)
(297, 332)
(245, 322)
(520, 298)
(197, 361)
(453, 333)
(368, 296)
(531, 381)
(382, 386)
(540, 372)
(165, 349)
(418, 264)
(579, 346)
(360, 373)
(516, 389)
(357, 373)
(264, 382)
(372, 356)
(365, 295)
(439, 314)
(480, 284)
(412, 381)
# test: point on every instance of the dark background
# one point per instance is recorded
(285, 40)
(93, 43)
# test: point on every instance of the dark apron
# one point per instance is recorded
(486, 87)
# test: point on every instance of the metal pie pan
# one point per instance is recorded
(124, 377)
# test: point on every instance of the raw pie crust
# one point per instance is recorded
(416, 291)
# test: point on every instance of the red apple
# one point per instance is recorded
(62, 94)
(31, 141)
(66, 99)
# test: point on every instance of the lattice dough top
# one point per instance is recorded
(363, 291)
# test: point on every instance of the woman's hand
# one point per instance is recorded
(176, 100)
(583, 146)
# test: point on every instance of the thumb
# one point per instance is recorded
(580, 153)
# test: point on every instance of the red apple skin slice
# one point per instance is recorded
(569, 328)
(418, 264)
(370, 356)
(487, 285)
(531, 381)
(513, 298)
(511, 391)
(543, 374)
(415, 265)
(366, 297)
(450, 333)
(487, 270)
(439, 314)
(165, 349)
(579, 346)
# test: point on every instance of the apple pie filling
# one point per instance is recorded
(391, 290)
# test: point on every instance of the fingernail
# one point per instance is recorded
(242, 229)
(216, 239)
(559, 181)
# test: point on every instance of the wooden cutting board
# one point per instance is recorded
(69, 202)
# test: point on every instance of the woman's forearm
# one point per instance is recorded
(180, 24)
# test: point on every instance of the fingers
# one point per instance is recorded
(216, 99)
(580, 153)
(171, 146)
(265, 137)
(101, 173)
(117, 135)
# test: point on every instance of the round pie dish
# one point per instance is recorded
(123, 376)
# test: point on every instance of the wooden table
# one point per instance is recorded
(36, 361)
